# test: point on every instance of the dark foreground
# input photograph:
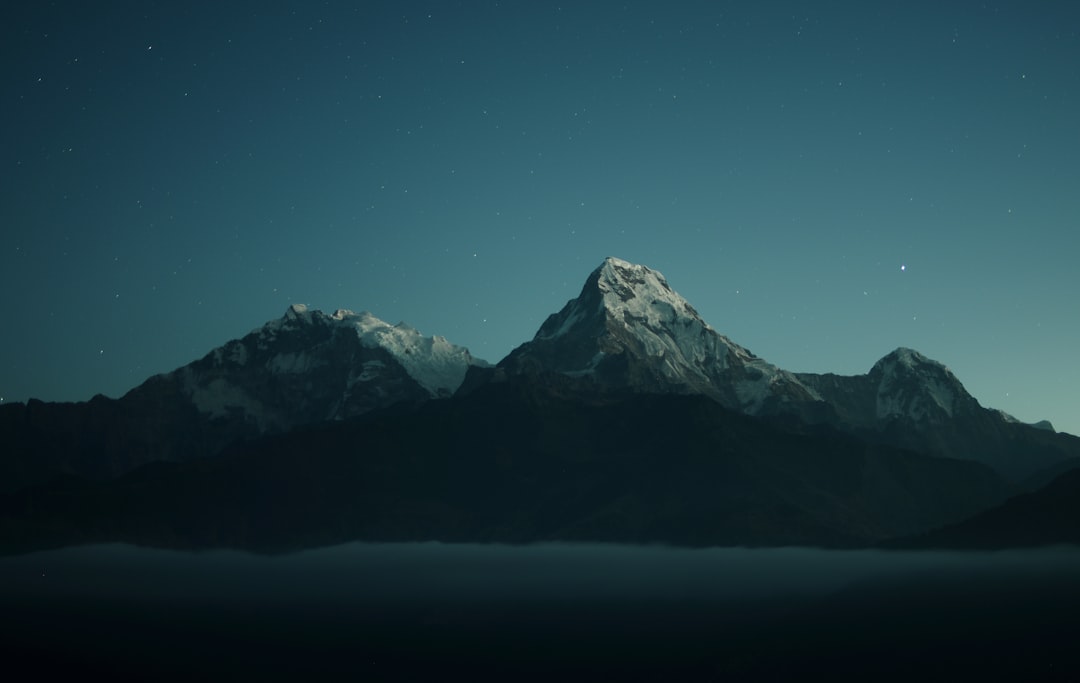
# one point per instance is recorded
(402, 611)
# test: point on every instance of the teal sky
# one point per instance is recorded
(824, 181)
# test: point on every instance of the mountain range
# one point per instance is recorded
(626, 418)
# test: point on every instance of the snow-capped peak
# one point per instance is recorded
(622, 291)
(909, 358)
(912, 385)
(296, 310)
(640, 298)
(295, 314)
(635, 291)
(630, 326)
(904, 361)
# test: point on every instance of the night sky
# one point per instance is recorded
(824, 181)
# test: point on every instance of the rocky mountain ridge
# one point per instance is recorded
(305, 368)
(309, 366)
(627, 418)
(628, 330)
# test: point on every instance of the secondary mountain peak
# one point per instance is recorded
(906, 357)
(295, 313)
(308, 367)
(303, 368)
(296, 310)
(910, 384)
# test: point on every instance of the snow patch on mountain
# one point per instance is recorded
(567, 324)
(219, 397)
(435, 363)
(371, 370)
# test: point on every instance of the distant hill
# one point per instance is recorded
(1048, 516)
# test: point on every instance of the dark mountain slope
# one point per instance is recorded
(1049, 516)
(516, 461)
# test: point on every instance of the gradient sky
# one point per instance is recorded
(824, 181)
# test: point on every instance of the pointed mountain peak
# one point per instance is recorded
(615, 273)
(628, 328)
(296, 315)
(915, 386)
(297, 311)
(620, 294)
(908, 358)
(909, 363)
(632, 290)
